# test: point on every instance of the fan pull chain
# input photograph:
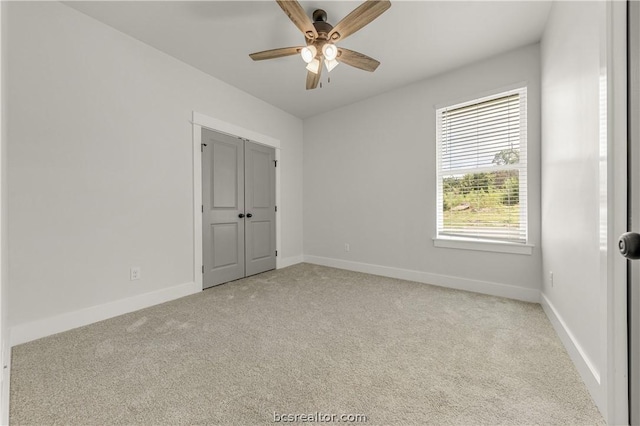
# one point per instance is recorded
(328, 81)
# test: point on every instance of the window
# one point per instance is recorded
(482, 169)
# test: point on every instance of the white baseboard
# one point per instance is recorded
(27, 332)
(587, 370)
(288, 261)
(476, 286)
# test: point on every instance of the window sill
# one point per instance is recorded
(479, 245)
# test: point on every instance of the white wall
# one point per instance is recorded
(573, 74)
(369, 180)
(5, 344)
(101, 162)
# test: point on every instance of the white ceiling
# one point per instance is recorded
(413, 40)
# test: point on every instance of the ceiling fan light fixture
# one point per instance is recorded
(330, 51)
(308, 53)
(330, 64)
(314, 66)
(320, 38)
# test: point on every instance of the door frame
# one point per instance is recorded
(613, 141)
(633, 176)
(200, 121)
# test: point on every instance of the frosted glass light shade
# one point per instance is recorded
(314, 66)
(329, 51)
(330, 64)
(308, 53)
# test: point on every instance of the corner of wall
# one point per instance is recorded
(289, 261)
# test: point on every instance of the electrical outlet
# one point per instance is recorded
(346, 247)
(551, 278)
(136, 274)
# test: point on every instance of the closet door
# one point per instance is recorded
(239, 209)
(260, 208)
(223, 208)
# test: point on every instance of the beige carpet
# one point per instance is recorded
(301, 340)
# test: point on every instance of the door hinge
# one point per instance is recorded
(203, 208)
(276, 208)
(202, 145)
(276, 253)
(203, 269)
(275, 163)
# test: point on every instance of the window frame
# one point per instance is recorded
(478, 243)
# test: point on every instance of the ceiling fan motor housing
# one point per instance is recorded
(321, 25)
(323, 28)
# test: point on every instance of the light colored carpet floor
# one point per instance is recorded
(306, 339)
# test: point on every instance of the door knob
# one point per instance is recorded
(249, 215)
(241, 215)
(629, 245)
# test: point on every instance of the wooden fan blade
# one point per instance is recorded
(296, 13)
(357, 60)
(275, 53)
(358, 18)
(313, 79)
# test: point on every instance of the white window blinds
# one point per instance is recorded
(482, 168)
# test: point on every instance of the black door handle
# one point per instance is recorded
(629, 245)
(249, 215)
(241, 215)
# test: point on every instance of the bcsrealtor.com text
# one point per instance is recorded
(318, 417)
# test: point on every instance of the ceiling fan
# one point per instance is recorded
(321, 38)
